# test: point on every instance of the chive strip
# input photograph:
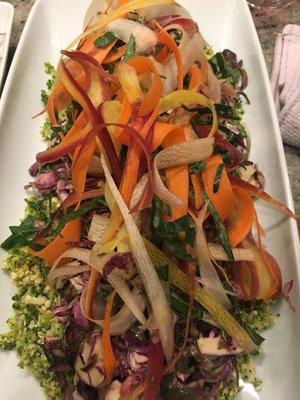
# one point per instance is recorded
(130, 48)
(180, 306)
(197, 167)
(78, 213)
(217, 179)
(223, 234)
(105, 40)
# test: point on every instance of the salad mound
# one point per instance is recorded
(139, 265)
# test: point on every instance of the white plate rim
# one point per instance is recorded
(279, 143)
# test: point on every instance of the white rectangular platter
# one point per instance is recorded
(225, 24)
(6, 19)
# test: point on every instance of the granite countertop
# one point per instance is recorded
(267, 29)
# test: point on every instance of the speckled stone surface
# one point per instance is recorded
(267, 28)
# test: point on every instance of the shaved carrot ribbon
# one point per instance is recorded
(129, 82)
(195, 178)
(77, 197)
(70, 233)
(152, 97)
(112, 56)
(96, 119)
(80, 166)
(164, 38)
(59, 97)
(89, 47)
(239, 222)
(90, 292)
(254, 191)
(109, 359)
(177, 177)
(223, 199)
(161, 131)
(76, 137)
(197, 78)
(57, 101)
(162, 55)
(130, 176)
(124, 117)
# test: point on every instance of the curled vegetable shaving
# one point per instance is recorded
(218, 253)
(208, 273)
(119, 12)
(109, 359)
(76, 253)
(129, 82)
(98, 261)
(183, 153)
(155, 293)
(97, 228)
(120, 322)
(185, 97)
(222, 317)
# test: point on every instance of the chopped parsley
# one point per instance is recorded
(197, 167)
(50, 70)
(223, 233)
(217, 179)
(130, 48)
(104, 40)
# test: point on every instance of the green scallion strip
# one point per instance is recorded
(78, 213)
(217, 179)
(197, 167)
(105, 40)
(223, 234)
(130, 48)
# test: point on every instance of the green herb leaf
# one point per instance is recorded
(21, 234)
(175, 234)
(156, 212)
(44, 96)
(227, 159)
(163, 273)
(105, 40)
(110, 68)
(180, 306)
(177, 248)
(197, 167)
(257, 339)
(222, 68)
(231, 136)
(78, 213)
(186, 81)
(176, 35)
(217, 179)
(130, 48)
(223, 234)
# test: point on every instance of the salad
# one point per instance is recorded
(139, 265)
